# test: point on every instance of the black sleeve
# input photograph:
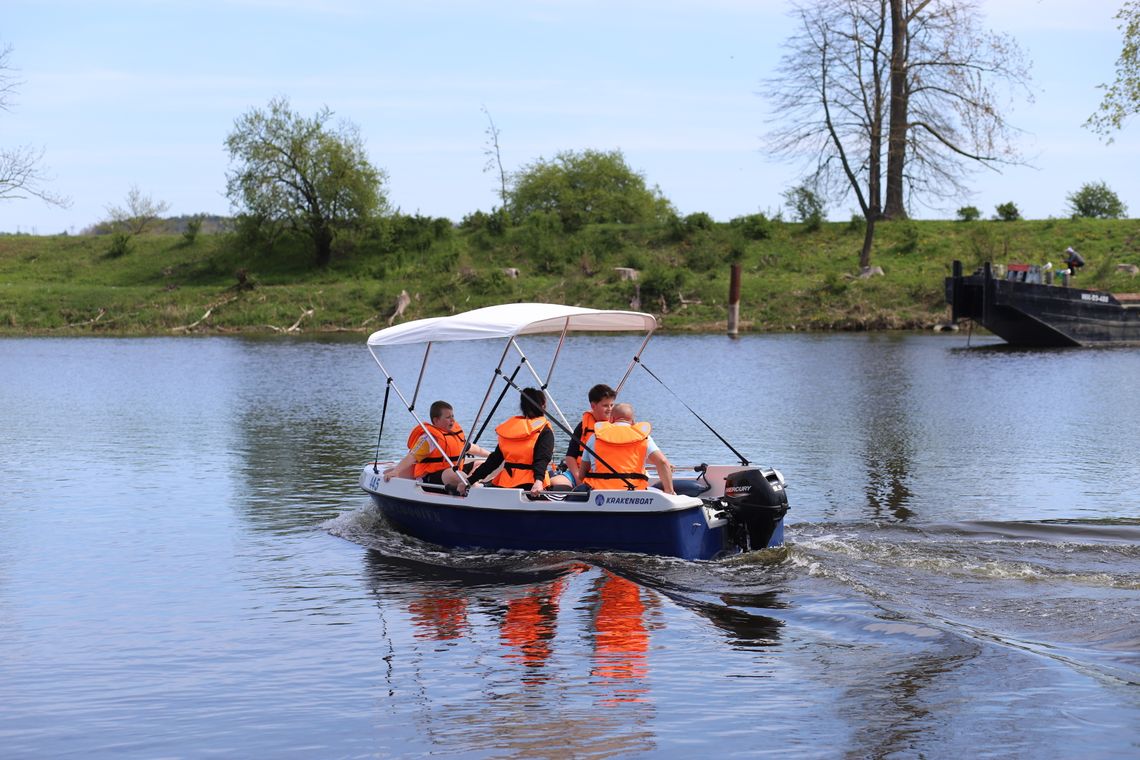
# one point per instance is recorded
(488, 466)
(575, 448)
(543, 452)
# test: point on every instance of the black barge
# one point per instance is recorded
(1021, 307)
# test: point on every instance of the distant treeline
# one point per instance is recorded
(172, 225)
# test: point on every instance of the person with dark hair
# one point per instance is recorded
(526, 446)
(435, 460)
(602, 398)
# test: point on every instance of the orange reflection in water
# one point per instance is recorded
(530, 622)
(439, 618)
(621, 639)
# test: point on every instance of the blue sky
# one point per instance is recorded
(144, 92)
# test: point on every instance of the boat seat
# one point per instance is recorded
(685, 486)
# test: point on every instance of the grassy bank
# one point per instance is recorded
(793, 278)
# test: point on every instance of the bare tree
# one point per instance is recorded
(21, 168)
(905, 84)
(951, 83)
(139, 212)
(495, 156)
(830, 93)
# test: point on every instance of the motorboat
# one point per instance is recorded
(717, 509)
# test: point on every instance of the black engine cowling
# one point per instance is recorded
(756, 502)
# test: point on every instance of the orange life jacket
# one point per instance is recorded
(451, 442)
(517, 437)
(622, 448)
(589, 422)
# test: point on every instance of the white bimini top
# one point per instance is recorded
(511, 319)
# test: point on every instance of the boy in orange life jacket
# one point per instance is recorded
(602, 399)
(625, 446)
(424, 460)
(526, 446)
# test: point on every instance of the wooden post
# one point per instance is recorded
(734, 300)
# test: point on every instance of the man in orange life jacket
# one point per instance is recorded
(425, 459)
(622, 447)
(526, 446)
(601, 398)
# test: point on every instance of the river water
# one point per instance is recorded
(187, 568)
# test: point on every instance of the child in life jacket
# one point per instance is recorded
(526, 446)
(435, 460)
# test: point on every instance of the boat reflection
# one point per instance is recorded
(441, 618)
(531, 661)
(528, 627)
(621, 640)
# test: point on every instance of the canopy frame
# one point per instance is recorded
(504, 321)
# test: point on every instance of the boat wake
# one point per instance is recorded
(1064, 590)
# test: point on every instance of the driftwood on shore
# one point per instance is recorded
(402, 302)
(204, 317)
(296, 326)
(96, 318)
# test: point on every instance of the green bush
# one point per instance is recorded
(807, 205)
(969, 214)
(681, 230)
(417, 233)
(702, 256)
(699, 221)
(120, 244)
(600, 240)
(542, 241)
(193, 227)
(495, 222)
(753, 226)
(1007, 212)
(1096, 201)
(665, 282)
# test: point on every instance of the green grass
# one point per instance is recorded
(793, 279)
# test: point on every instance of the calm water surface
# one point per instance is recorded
(187, 568)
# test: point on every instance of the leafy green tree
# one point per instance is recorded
(1096, 200)
(586, 188)
(1122, 97)
(1007, 212)
(968, 213)
(806, 204)
(302, 174)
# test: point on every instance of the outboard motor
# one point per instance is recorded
(757, 503)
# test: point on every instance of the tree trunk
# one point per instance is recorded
(897, 131)
(868, 239)
(322, 240)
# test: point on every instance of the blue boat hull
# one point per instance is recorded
(678, 533)
(646, 522)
